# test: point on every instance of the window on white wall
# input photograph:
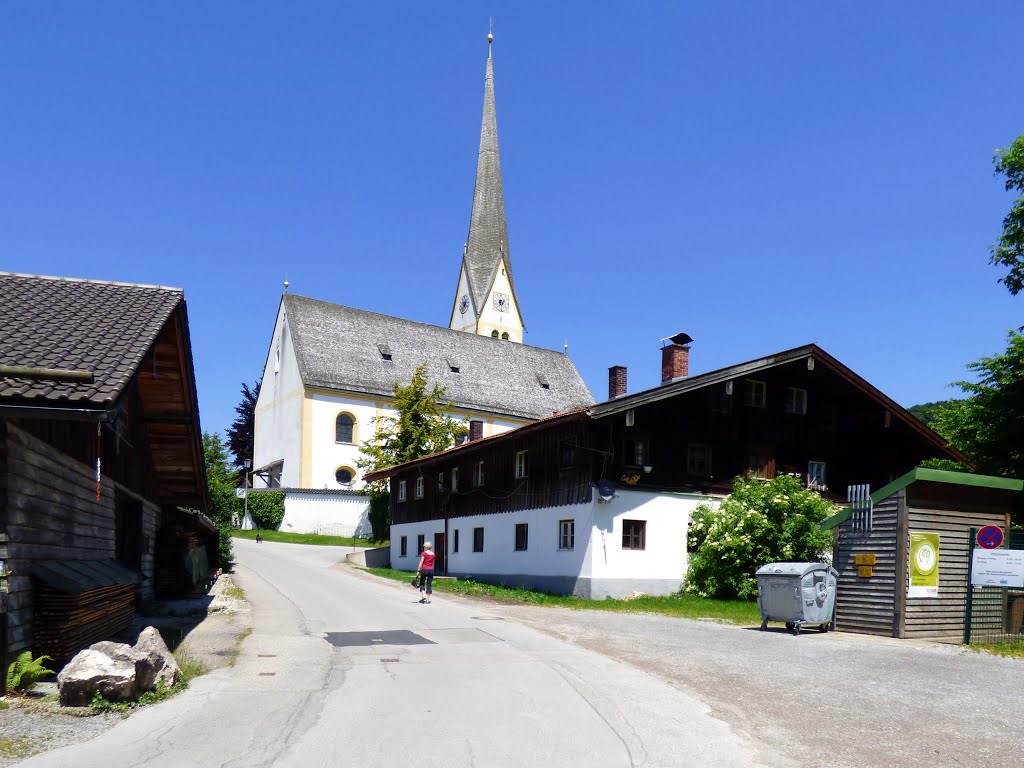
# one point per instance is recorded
(522, 531)
(345, 476)
(566, 534)
(634, 534)
(478, 539)
(455, 541)
(344, 428)
(404, 546)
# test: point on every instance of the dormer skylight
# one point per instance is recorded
(385, 352)
(542, 380)
(453, 365)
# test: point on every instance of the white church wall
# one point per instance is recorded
(278, 414)
(327, 454)
(492, 319)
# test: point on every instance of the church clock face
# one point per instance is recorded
(464, 304)
(501, 302)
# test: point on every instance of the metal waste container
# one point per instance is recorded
(798, 594)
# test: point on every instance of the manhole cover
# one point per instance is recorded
(390, 661)
(267, 674)
(384, 637)
(486, 618)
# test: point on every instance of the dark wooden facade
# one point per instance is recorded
(150, 449)
(560, 471)
(693, 436)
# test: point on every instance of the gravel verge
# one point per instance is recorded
(210, 630)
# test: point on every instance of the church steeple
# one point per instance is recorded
(486, 301)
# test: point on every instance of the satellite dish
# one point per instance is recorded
(606, 490)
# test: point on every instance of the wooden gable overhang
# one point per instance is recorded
(170, 413)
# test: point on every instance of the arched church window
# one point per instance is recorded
(345, 476)
(494, 334)
(505, 335)
(344, 427)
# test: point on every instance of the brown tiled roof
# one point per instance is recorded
(102, 328)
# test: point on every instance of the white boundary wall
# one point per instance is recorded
(326, 514)
(597, 566)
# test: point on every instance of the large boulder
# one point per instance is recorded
(91, 671)
(118, 671)
(154, 661)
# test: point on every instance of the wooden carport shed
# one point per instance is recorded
(903, 558)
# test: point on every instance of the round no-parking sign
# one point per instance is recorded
(990, 537)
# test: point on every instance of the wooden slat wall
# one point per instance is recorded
(868, 605)
(50, 512)
(942, 617)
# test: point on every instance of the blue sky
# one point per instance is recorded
(760, 175)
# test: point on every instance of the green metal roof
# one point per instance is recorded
(919, 474)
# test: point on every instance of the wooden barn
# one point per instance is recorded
(902, 555)
(102, 479)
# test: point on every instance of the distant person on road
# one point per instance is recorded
(259, 539)
(425, 570)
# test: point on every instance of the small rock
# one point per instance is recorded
(154, 662)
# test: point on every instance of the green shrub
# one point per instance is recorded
(380, 516)
(266, 509)
(24, 672)
(225, 548)
(761, 522)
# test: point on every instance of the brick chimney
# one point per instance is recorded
(616, 381)
(476, 429)
(675, 362)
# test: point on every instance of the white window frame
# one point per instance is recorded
(567, 534)
(817, 480)
(701, 451)
(455, 479)
(402, 492)
(796, 401)
(478, 474)
(522, 464)
(419, 487)
(755, 393)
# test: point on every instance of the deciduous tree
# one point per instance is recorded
(421, 427)
(1009, 248)
(220, 486)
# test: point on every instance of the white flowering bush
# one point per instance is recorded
(761, 521)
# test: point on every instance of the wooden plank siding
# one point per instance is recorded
(547, 484)
(50, 511)
(942, 617)
(868, 604)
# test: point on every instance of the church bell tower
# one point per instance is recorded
(486, 302)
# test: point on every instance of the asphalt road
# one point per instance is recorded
(449, 684)
(467, 683)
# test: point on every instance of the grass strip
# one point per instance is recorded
(679, 605)
(307, 538)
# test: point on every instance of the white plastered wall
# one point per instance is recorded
(327, 454)
(598, 555)
(493, 320)
(327, 515)
(278, 416)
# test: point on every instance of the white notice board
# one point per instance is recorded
(998, 567)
